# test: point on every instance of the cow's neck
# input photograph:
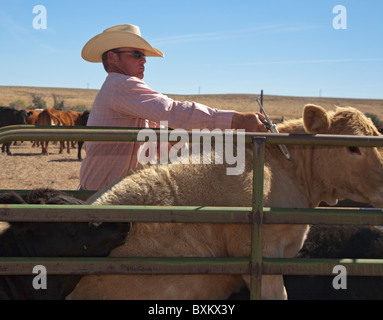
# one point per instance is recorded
(288, 187)
(295, 183)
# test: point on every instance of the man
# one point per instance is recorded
(126, 101)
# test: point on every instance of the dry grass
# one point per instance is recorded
(276, 106)
(282, 106)
(28, 169)
(72, 97)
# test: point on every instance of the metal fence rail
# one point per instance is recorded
(257, 215)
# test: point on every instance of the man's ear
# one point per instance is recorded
(315, 119)
(112, 56)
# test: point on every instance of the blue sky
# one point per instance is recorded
(211, 47)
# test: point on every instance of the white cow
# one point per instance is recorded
(314, 174)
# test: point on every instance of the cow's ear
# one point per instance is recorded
(315, 119)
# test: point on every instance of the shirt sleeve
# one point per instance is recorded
(134, 98)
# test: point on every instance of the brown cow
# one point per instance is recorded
(32, 119)
(48, 117)
(68, 118)
(32, 115)
(53, 117)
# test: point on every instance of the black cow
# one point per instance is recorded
(81, 121)
(52, 239)
(8, 117)
(335, 242)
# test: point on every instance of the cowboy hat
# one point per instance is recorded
(123, 35)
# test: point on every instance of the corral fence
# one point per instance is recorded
(257, 216)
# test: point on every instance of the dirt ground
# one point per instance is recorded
(27, 168)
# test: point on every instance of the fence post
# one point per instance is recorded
(257, 218)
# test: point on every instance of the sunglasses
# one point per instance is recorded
(136, 54)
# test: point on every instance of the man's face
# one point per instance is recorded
(128, 61)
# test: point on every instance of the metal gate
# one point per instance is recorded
(257, 216)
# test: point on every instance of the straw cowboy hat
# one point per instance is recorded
(123, 35)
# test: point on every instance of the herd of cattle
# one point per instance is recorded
(43, 117)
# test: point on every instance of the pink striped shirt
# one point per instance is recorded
(125, 101)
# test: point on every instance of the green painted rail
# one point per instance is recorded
(63, 133)
(257, 216)
(185, 214)
(114, 265)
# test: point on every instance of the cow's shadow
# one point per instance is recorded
(65, 160)
(23, 154)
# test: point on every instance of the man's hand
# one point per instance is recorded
(250, 121)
